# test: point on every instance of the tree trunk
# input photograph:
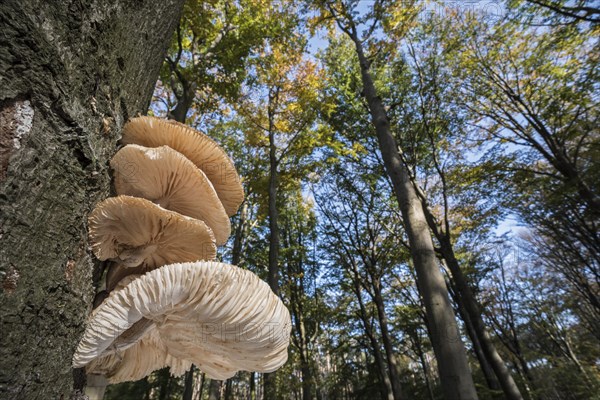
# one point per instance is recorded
(419, 348)
(486, 368)
(240, 232)
(386, 387)
(164, 377)
(387, 341)
(253, 385)
(471, 306)
(305, 369)
(296, 295)
(188, 384)
(214, 389)
(228, 389)
(273, 217)
(202, 382)
(455, 375)
(184, 103)
(71, 74)
(273, 278)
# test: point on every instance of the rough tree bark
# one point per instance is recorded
(71, 74)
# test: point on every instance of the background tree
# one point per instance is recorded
(279, 118)
(208, 60)
(536, 112)
(360, 242)
(452, 361)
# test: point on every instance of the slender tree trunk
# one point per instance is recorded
(455, 375)
(164, 390)
(307, 380)
(71, 74)
(526, 383)
(424, 363)
(184, 103)
(147, 388)
(486, 368)
(240, 232)
(252, 386)
(228, 389)
(214, 389)
(188, 386)
(386, 387)
(274, 239)
(387, 341)
(297, 294)
(525, 369)
(473, 313)
(385, 379)
(202, 383)
(305, 369)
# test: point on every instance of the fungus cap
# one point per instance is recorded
(218, 316)
(134, 231)
(138, 361)
(203, 151)
(170, 180)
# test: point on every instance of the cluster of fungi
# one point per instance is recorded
(169, 304)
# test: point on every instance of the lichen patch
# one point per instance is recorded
(24, 121)
(10, 280)
(16, 120)
(70, 270)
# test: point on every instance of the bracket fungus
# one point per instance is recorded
(204, 152)
(170, 180)
(166, 304)
(218, 316)
(134, 231)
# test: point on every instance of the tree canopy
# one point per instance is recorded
(406, 165)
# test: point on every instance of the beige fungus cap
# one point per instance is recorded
(134, 231)
(138, 361)
(204, 152)
(218, 316)
(170, 180)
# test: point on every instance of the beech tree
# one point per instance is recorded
(281, 124)
(209, 57)
(532, 93)
(452, 360)
(71, 74)
(361, 237)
